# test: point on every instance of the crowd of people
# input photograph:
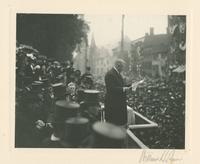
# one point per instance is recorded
(33, 70)
(39, 83)
(162, 101)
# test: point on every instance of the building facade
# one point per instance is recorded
(80, 57)
(149, 54)
(100, 60)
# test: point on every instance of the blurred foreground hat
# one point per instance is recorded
(64, 110)
(76, 129)
(107, 135)
(91, 96)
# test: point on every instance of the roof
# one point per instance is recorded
(156, 44)
(138, 40)
(153, 40)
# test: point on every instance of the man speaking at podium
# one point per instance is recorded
(115, 99)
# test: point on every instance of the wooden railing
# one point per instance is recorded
(146, 124)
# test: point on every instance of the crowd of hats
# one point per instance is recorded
(162, 101)
(35, 100)
(58, 112)
(34, 121)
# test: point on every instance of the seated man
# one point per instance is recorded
(87, 79)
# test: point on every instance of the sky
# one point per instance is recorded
(107, 28)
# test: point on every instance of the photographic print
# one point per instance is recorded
(100, 81)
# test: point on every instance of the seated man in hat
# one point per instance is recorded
(115, 99)
(87, 79)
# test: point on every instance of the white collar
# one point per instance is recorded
(116, 70)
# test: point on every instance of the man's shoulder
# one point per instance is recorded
(111, 72)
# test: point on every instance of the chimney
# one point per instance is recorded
(151, 31)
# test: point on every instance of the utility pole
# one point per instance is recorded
(122, 35)
(86, 53)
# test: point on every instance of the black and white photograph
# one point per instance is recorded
(112, 81)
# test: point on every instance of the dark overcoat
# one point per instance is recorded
(115, 99)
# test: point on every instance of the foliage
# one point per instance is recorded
(54, 35)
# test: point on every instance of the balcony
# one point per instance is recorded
(138, 123)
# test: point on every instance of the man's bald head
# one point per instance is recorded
(119, 64)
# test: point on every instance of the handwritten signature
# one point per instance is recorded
(164, 157)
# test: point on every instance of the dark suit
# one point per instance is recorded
(28, 75)
(115, 99)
